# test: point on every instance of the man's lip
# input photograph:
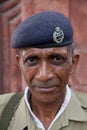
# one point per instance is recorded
(46, 89)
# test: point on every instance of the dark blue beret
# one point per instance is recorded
(44, 29)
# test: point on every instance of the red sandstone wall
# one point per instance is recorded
(10, 17)
(11, 14)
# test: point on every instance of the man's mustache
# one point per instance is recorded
(49, 83)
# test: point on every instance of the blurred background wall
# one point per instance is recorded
(12, 12)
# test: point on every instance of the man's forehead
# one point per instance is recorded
(37, 51)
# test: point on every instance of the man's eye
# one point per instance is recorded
(31, 61)
(57, 59)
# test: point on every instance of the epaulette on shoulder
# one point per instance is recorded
(82, 97)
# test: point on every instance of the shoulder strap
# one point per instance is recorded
(9, 111)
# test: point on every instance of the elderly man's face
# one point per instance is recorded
(46, 71)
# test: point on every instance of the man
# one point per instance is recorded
(46, 58)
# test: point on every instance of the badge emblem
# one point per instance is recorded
(58, 35)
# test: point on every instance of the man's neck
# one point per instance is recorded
(45, 111)
(43, 114)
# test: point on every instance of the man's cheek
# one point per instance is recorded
(26, 77)
(66, 78)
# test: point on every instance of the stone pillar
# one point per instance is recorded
(10, 17)
(78, 16)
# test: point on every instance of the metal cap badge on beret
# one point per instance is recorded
(44, 29)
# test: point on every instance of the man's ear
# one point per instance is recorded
(18, 59)
(75, 61)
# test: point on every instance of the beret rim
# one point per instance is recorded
(48, 45)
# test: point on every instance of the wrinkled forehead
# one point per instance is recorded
(44, 51)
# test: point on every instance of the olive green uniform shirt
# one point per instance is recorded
(73, 118)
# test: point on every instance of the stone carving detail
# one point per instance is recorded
(10, 17)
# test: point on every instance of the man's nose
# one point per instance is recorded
(44, 72)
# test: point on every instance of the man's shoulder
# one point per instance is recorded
(4, 99)
(77, 107)
(82, 98)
